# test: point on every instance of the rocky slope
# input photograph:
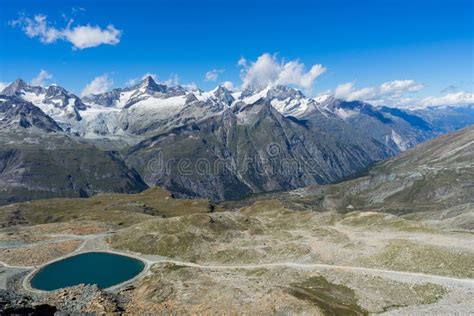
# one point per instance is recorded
(263, 139)
(35, 166)
(249, 149)
(16, 114)
(55, 101)
(39, 160)
(437, 172)
(397, 129)
(434, 181)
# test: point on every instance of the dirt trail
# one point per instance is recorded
(96, 242)
(324, 266)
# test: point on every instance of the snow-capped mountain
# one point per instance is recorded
(286, 100)
(240, 138)
(447, 118)
(126, 97)
(395, 128)
(150, 118)
(63, 106)
(149, 107)
(17, 114)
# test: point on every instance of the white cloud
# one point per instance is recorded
(293, 73)
(268, 70)
(261, 73)
(81, 36)
(342, 91)
(384, 92)
(87, 36)
(392, 93)
(99, 85)
(456, 98)
(400, 86)
(228, 85)
(41, 78)
(173, 80)
(191, 86)
(131, 82)
(347, 92)
(212, 75)
(242, 62)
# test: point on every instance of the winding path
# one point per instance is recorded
(321, 266)
(150, 260)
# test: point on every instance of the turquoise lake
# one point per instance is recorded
(101, 268)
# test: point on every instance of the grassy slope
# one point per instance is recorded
(124, 209)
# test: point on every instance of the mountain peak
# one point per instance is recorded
(14, 87)
(282, 92)
(149, 84)
(220, 88)
(224, 95)
(324, 98)
(18, 113)
(20, 82)
(148, 80)
(279, 92)
(54, 90)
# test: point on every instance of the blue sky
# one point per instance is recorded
(364, 43)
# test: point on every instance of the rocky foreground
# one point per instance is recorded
(264, 255)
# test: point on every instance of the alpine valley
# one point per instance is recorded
(56, 144)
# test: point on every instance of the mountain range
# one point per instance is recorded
(218, 144)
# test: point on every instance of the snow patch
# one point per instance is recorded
(398, 140)
(344, 114)
(257, 96)
(124, 98)
(294, 107)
